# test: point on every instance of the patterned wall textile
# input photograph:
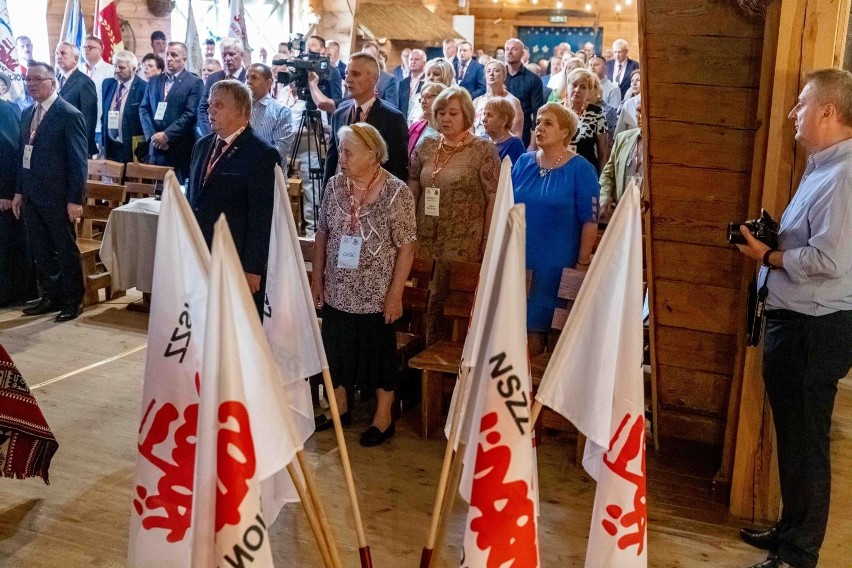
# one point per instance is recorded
(26, 442)
(542, 39)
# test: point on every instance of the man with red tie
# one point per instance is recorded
(122, 97)
(619, 68)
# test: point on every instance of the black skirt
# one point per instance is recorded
(361, 350)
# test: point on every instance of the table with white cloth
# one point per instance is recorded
(129, 243)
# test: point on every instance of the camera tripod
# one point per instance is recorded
(311, 124)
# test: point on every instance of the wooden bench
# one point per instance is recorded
(101, 199)
(143, 180)
(442, 359)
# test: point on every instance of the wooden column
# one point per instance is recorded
(337, 23)
(802, 35)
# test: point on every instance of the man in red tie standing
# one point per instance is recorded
(620, 67)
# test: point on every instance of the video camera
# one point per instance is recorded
(300, 65)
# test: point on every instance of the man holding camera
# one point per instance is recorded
(808, 338)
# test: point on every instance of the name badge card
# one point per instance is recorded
(161, 110)
(433, 201)
(28, 154)
(350, 252)
(112, 120)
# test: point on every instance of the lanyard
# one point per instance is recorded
(122, 91)
(364, 115)
(225, 148)
(436, 169)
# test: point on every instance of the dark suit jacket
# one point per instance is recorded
(390, 123)
(388, 88)
(624, 85)
(405, 93)
(203, 119)
(474, 77)
(59, 163)
(131, 124)
(10, 137)
(242, 186)
(341, 67)
(80, 92)
(179, 121)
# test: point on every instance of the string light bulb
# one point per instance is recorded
(618, 8)
(559, 5)
(534, 1)
(628, 2)
(588, 7)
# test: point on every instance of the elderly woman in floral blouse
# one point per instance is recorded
(362, 256)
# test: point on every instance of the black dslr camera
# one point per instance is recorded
(300, 65)
(764, 229)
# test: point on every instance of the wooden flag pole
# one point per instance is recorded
(449, 502)
(312, 517)
(363, 549)
(536, 410)
(313, 495)
(437, 508)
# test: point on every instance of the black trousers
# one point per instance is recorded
(54, 248)
(804, 358)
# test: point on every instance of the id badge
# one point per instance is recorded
(161, 110)
(433, 201)
(350, 252)
(28, 154)
(112, 119)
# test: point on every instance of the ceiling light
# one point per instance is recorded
(559, 5)
(628, 2)
(588, 7)
(618, 7)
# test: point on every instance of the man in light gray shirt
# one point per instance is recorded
(808, 339)
(270, 119)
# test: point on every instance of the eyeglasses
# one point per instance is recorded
(90, 47)
(37, 79)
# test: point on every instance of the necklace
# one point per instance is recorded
(542, 171)
(355, 204)
(436, 167)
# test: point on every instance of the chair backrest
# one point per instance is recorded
(143, 180)
(415, 296)
(461, 289)
(307, 246)
(101, 199)
(105, 171)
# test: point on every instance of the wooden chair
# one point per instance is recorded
(143, 180)
(410, 329)
(443, 357)
(294, 192)
(105, 171)
(101, 199)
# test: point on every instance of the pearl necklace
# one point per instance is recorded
(542, 171)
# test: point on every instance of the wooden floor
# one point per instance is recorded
(81, 519)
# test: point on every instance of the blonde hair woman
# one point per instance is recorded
(362, 256)
(560, 190)
(438, 70)
(579, 91)
(497, 119)
(495, 86)
(423, 126)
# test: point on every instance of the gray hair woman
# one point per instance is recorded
(362, 256)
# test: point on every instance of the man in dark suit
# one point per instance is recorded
(78, 90)
(123, 96)
(620, 67)
(50, 189)
(232, 68)
(411, 85)
(470, 73)
(233, 172)
(169, 110)
(10, 132)
(361, 78)
(402, 70)
(387, 86)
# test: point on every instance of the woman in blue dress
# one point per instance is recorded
(560, 190)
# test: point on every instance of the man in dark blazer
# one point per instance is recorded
(470, 73)
(411, 85)
(10, 133)
(233, 172)
(169, 111)
(387, 87)
(50, 190)
(361, 78)
(620, 67)
(120, 121)
(78, 90)
(232, 68)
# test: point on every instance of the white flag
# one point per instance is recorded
(160, 533)
(194, 59)
(499, 477)
(10, 63)
(487, 275)
(237, 28)
(289, 317)
(594, 379)
(246, 434)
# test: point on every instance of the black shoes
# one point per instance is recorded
(772, 561)
(374, 437)
(69, 313)
(323, 422)
(765, 539)
(43, 305)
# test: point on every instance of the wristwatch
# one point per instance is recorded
(766, 258)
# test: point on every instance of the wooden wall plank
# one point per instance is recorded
(691, 390)
(688, 426)
(696, 60)
(736, 108)
(697, 263)
(703, 185)
(701, 146)
(696, 306)
(699, 350)
(709, 18)
(694, 221)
